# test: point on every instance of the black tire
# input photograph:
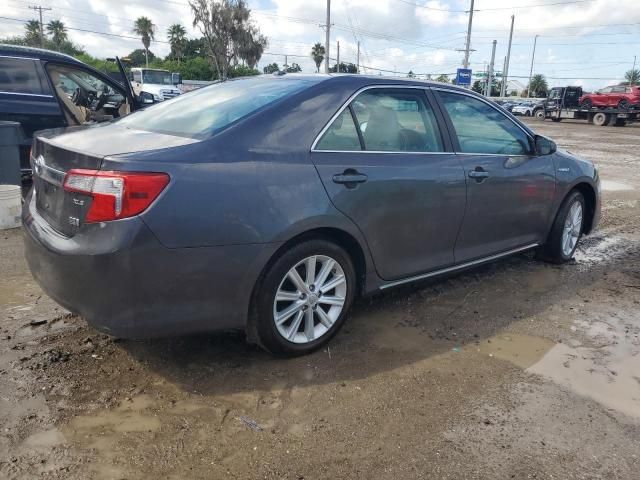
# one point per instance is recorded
(624, 104)
(552, 250)
(268, 336)
(600, 119)
(556, 119)
(527, 113)
(587, 104)
(539, 114)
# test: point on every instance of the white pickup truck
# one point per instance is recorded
(162, 84)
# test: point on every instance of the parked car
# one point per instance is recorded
(42, 89)
(270, 203)
(617, 96)
(528, 109)
(162, 84)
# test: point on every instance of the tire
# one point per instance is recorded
(527, 113)
(600, 119)
(558, 249)
(556, 119)
(539, 114)
(624, 104)
(587, 104)
(303, 299)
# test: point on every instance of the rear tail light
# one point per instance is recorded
(115, 194)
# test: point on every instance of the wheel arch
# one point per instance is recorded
(590, 200)
(341, 237)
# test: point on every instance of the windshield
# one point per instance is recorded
(156, 76)
(203, 112)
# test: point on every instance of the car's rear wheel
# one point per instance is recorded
(566, 230)
(623, 104)
(586, 104)
(304, 298)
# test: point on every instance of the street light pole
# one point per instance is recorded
(468, 45)
(533, 56)
(491, 68)
(327, 37)
(505, 75)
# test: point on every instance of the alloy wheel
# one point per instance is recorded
(572, 229)
(310, 299)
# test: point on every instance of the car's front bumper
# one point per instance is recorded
(119, 278)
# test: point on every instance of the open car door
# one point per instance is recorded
(133, 101)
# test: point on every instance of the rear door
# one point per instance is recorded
(386, 164)
(509, 189)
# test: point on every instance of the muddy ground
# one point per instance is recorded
(516, 370)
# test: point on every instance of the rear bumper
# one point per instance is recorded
(125, 283)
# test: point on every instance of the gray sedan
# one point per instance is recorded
(270, 203)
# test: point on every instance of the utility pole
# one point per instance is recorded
(468, 46)
(505, 75)
(633, 71)
(491, 68)
(533, 56)
(338, 58)
(40, 9)
(328, 37)
(358, 59)
(286, 63)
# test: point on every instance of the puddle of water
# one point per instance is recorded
(48, 438)
(613, 186)
(606, 248)
(521, 350)
(130, 416)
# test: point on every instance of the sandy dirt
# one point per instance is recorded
(518, 369)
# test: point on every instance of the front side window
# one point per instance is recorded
(480, 128)
(389, 119)
(203, 112)
(18, 75)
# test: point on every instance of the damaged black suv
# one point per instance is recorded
(42, 89)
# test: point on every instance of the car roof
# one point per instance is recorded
(35, 53)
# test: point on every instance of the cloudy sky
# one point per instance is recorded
(586, 42)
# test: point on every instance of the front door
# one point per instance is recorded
(386, 165)
(509, 189)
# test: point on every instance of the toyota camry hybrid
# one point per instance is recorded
(270, 203)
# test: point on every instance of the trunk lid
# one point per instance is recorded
(55, 152)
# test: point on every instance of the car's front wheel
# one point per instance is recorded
(566, 230)
(304, 298)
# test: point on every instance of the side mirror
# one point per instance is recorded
(176, 78)
(145, 98)
(545, 146)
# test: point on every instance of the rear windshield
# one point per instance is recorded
(203, 112)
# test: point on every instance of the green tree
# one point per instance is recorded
(317, 53)
(228, 33)
(293, 68)
(271, 68)
(144, 27)
(58, 32)
(442, 78)
(344, 68)
(195, 47)
(177, 36)
(32, 33)
(633, 77)
(140, 57)
(478, 86)
(538, 86)
(411, 74)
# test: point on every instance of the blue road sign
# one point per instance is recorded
(463, 77)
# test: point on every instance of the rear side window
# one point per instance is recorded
(19, 75)
(389, 119)
(203, 112)
(480, 128)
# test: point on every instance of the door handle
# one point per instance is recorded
(479, 174)
(350, 178)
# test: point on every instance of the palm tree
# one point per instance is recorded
(633, 77)
(58, 32)
(146, 29)
(177, 36)
(317, 53)
(538, 86)
(32, 35)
